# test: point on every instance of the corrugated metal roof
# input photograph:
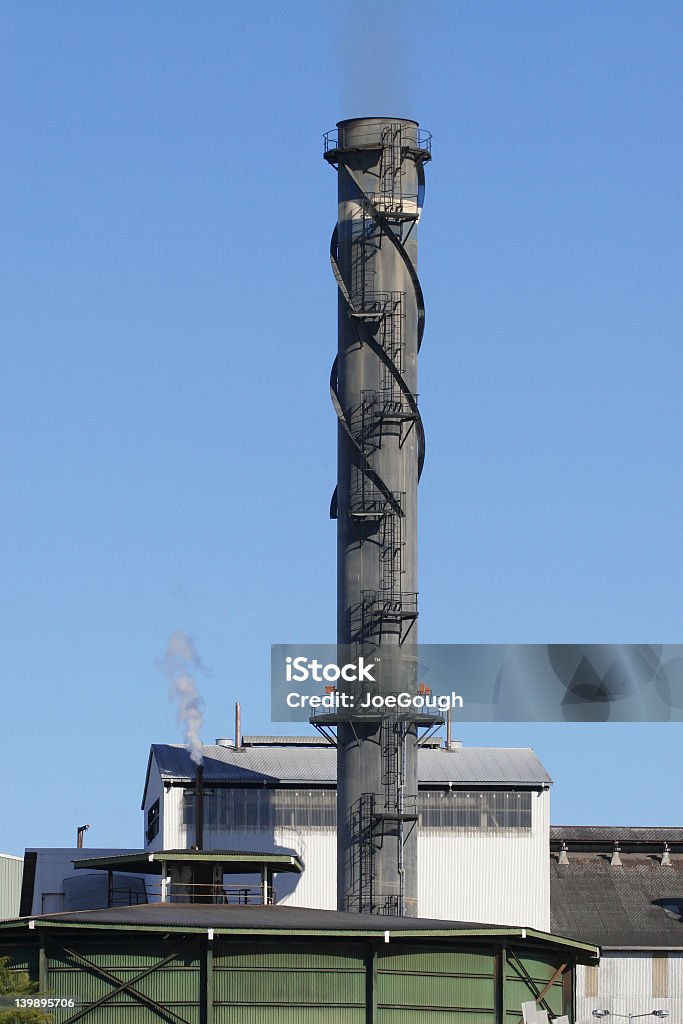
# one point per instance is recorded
(290, 921)
(618, 907)
(285, 741)
(601, 834)
(318, 765)
(486, 765)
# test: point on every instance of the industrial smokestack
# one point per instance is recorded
(199, 808)
(380, 164)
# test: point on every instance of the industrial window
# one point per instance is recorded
(264, 809)
(153, 821)
(475, 810)
(241, 808)
(660, 974)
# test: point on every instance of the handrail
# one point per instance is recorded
(372, 137)
(194, 892)
(379, 218)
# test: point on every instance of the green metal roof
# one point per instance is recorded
(237, 862)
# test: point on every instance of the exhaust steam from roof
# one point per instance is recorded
(182, 664)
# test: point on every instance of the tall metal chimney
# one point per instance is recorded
(380, 164)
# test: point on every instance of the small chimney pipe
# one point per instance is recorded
(199, 808)
(80, 832)
(449, 729)
(238, 725)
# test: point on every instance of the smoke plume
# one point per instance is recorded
(376, 59)
(182, 664)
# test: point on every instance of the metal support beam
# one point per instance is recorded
(499, 984)
(371, 1016)
(568, 977)
(560, 970)
(208, 990)
(43, 968)
(537, 993)
(119, 986)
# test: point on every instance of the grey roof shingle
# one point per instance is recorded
(318, 765)
(618, 907)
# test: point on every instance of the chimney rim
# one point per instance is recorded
(377, 120)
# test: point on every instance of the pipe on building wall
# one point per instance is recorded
(199, 808)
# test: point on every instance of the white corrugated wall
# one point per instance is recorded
(172, 834)
(462, 876)
(488, 878)
(11, 869)
(629, 982)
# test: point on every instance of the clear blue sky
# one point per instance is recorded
(168, 319)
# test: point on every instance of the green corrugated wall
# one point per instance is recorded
(448, 986)
(293, 982)
(275, 986)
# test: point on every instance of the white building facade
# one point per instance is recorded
(484, 814)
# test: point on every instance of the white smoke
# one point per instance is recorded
(377, 61)
(182, 663)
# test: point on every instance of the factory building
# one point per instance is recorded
(616, 890)
(198, 963)
(622, 889)
(52, 882)
(371, 875)
(483, 813)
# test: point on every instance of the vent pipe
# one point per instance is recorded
(199, 808)
(238, 725)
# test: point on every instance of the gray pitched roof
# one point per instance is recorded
(248, 916)
(620, 907)
(291, 921)
(597, 836)
(299, 764)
